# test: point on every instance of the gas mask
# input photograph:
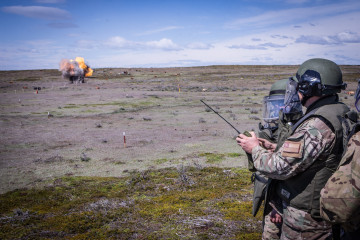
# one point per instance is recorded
(292, 104)
(309, 85)
(271, 107)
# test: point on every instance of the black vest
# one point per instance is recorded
(302, 191)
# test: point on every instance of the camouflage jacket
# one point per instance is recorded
(340, 198)
(313, 139)
(306, 158)
(300, 151)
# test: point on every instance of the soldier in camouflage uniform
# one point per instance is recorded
(340, 198)
(272, 104)
(268, 131)
(306, 160)
(288, 116)
(276, 128)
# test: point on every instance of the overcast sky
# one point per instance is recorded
(37, 34)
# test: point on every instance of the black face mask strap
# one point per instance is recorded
(339, 87)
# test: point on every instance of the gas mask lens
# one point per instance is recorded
(272, 106)
(292, 102)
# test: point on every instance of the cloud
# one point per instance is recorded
(286, 16)
(177, 63)
(345, 58)
(245, 46)
(62, 25)
(50, 1)
(273, 45)
(263, 46)
(346, 37)
(49, 13)
(277, 36)
(164, 44)
(164, 29)
(199, 45)
(256, 39)
(297, 1)
(36, 46)
(40, 43)
(338, 39)
(121, 43)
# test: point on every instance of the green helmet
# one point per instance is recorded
(279, 87)
(319, 77)
(274, 102)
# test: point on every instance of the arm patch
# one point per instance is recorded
(292, 149)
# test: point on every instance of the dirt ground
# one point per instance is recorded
(77, 129)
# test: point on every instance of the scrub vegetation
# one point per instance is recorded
(183, 203)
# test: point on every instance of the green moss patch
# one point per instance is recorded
(217, 157)
(186, 203)
(213, 157)
(161, 160)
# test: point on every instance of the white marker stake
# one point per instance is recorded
(124, 140)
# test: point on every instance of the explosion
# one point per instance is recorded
(76, 70)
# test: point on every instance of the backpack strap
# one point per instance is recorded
(351, 125)
(306, 116)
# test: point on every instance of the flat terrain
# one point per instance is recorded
(77, 129)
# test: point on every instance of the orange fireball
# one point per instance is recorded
(87, 70)
(75, 70)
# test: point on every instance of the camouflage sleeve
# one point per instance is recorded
(356, 164)
(340, 198)
(298, 152)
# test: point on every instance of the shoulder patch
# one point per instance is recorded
(292, 149)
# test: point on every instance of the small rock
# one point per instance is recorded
(254, 117)
(84, 158)
(202, 120)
